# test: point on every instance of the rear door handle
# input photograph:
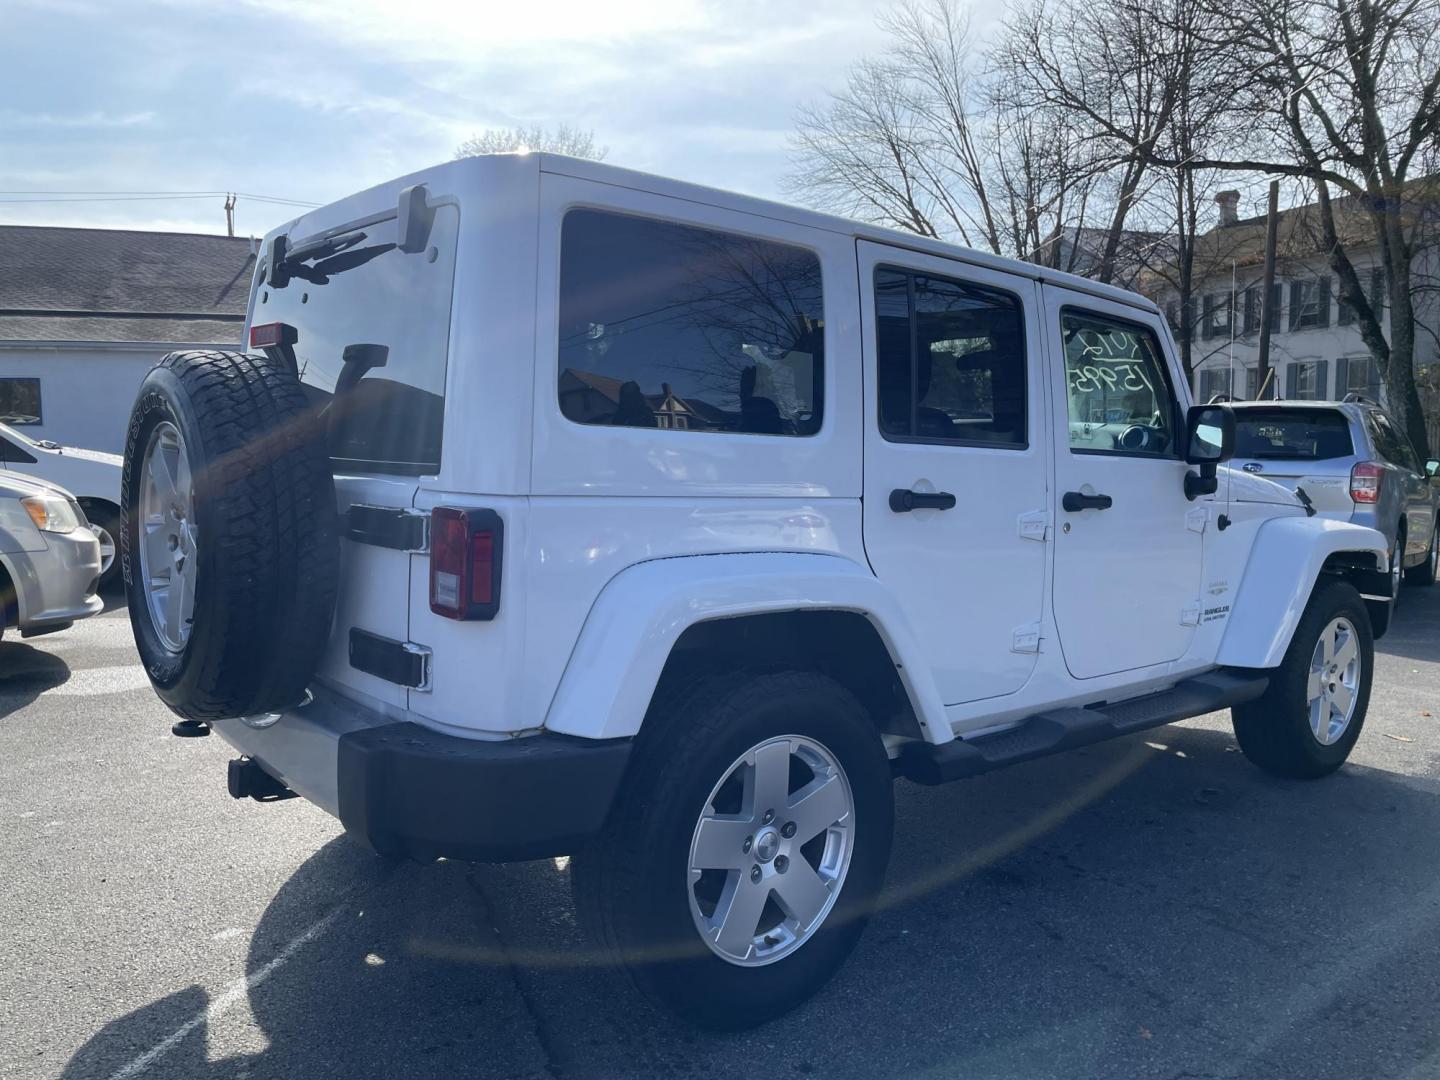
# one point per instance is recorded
(1075, 501)
(903, 500)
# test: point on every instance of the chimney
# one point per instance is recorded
(1229, 203)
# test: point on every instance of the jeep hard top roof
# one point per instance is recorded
(616, 176)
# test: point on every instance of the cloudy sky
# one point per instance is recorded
(309, 101)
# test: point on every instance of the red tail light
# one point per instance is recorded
(1365, 482)
(465, 549)
(273, 335)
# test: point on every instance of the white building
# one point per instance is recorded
(1316, 350)
(84, 313)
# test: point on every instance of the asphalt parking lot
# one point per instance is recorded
(1154, 907)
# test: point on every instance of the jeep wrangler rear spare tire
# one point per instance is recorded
(228, 534)
(747, 847)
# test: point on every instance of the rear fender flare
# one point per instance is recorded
(640, 614)
(1288, 557)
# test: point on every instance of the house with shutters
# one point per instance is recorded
(85, 313)
(1316, 351)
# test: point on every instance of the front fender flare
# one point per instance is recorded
(1284, 565)
(642, 611)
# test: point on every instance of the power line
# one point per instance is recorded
(141, 196)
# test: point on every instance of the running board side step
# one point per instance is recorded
(1065, 729)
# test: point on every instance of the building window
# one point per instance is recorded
(1309, 303)
(1345, 315)
(950, 360)
(1252, 383)
(672, 326)
(1307, 380)
(20, 401)
(1214, 382)
(1217, 315)
(1252, 308)
(1357, 375)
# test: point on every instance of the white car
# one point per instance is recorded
(49, 558)
(91, 476)
(561, 509)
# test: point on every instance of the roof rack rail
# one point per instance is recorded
(1354, 398)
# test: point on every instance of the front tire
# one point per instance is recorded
(1307, 721)
(747, 849)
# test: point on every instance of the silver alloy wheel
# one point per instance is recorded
(107, 547)
(1397, 566)
(167, 536)
(1435, 553)
(1334, 684)
(767, 862)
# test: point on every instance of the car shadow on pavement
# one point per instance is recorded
(1415, 626)
(26, 672)
(1150, 907)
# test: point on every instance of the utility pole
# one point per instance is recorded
(230, 214)
(1267, 289)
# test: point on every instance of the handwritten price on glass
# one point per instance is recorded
(1109, 362)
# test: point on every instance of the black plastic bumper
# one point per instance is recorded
(410, 791)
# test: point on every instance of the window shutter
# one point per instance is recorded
(1322, 388)
(1292, 378)
(1342, 377)
(1274, 313)
(1323, 299)
(1207, 322)
(1297, 300)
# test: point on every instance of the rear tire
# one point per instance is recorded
(636, 888)
(1426, 572)
(1291, 732)
(240, 518)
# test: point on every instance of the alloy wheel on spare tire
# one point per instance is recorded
(228, 534)
(747, 847)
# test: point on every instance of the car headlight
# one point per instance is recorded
(53, 513)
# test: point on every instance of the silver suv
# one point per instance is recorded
(1353, 463)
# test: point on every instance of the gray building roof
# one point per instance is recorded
(61, 284)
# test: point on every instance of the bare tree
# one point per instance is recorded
(1345, 94)
(573, 142)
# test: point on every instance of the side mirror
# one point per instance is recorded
(1209, 435)
(1432, 467)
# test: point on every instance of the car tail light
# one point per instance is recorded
(273, 335)
(1365, 482)
(465, 550)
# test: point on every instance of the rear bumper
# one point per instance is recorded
(408, 790)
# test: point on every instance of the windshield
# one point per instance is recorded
(1292, 434)
(373, 335)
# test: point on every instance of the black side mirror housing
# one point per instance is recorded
(1209, 440)
(1209, 434)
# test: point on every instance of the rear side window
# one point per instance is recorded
(1393, 446)
(950, 361)
(671, 326)
(373, 329)
(1292, 434)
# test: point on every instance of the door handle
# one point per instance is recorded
(903, 500)
(1075, 501)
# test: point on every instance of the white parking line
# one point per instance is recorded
(232, 994)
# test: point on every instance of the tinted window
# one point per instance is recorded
(1292, 434)
(1117, 387)
(20, 401)
(373, 339)
(950, 359)
(671, 326)
(1393, 447)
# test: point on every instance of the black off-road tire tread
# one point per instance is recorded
(1424, 574)
(1272, 731)
(685, 718)
(267, 505)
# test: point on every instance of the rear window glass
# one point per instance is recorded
(389, 313)
(1294, 434)
(670, 326)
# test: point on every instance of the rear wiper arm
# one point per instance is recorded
(321, 272)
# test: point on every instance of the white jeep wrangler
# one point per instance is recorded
(560, 509)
